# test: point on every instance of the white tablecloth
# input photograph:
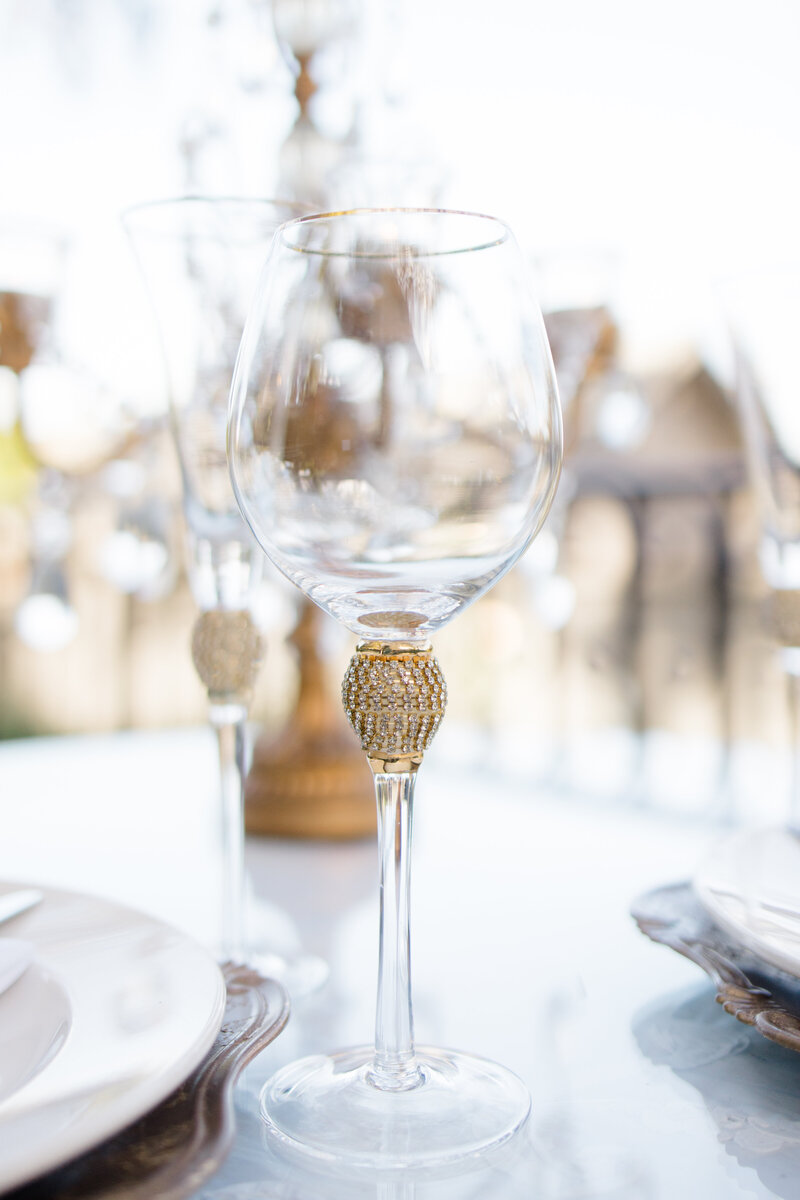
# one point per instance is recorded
(523, 951)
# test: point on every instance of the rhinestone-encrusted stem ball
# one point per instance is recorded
(395, 700)
(782, 616)
(227, 650)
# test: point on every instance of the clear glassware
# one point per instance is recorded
(200, 258)
(395, 444)
(762, 307)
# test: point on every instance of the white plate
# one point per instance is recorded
(750, 885)
(117, 1010)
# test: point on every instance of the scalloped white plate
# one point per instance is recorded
(115, 1012)
(750, 885)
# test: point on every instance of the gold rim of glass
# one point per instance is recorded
(394, 248)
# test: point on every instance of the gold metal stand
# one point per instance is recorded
(781, 612)
(16, 338)
(310, 781)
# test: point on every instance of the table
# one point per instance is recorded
(523, 950)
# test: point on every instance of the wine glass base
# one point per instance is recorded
(327, 1108)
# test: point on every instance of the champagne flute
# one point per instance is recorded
(394, 444)
(200, 258)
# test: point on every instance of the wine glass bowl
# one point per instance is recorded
(395, 435)
(394, 443)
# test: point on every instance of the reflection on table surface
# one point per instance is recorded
(524, 951)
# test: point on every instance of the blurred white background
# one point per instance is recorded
(663, 138)
(669, 133)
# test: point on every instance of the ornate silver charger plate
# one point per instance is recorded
(172, 1150)
(750, 989)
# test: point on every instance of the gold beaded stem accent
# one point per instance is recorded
(782, 616)
(227, 650)
(394, 695)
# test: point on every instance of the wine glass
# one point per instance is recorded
(200, 258)
(394, 444)
(762, 308)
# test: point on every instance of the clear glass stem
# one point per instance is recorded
(793, 686)
(394, 1067)
(389, 1190)
(230, 724)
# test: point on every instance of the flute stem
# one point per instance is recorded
(230, 724)
(793, 687)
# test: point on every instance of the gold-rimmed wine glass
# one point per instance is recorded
(394, 444)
